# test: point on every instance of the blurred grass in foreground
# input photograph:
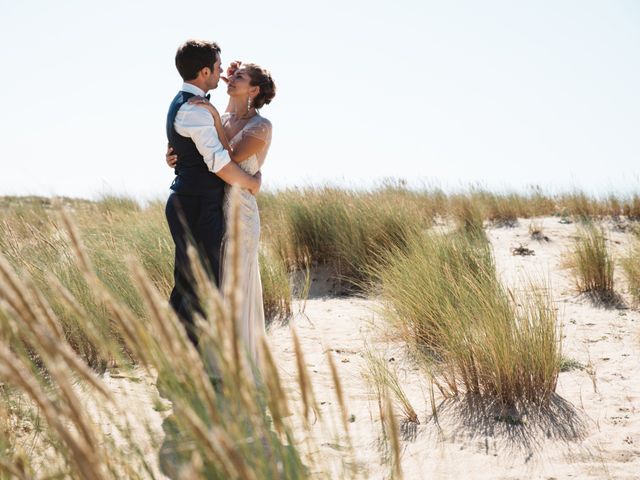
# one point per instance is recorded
(241, 429)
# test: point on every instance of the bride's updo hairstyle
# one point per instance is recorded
(260, 77)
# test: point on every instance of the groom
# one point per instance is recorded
(194, 208)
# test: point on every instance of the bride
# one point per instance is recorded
(246, 135)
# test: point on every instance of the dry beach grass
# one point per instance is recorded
(448, 341)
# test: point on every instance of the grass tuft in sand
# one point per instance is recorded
(592, 264)
(444, 299)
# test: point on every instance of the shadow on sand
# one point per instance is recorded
(607, 300)
(522, 430)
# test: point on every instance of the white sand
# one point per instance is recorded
(591, 432)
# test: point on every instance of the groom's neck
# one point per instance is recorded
(200, 84)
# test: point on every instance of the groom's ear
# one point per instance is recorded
(204, 72)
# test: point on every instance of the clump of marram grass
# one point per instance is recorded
(631, 208)
(467, 216)
(536, 203)
(344, 229)
(614, 207)
(630, 264)
(422, 285)
(276, 289)
(444, 299)
(579, 205)
(502, 210)
(592, 264)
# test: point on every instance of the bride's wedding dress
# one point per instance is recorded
(251, 320)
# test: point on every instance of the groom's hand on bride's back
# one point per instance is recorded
(170, 157)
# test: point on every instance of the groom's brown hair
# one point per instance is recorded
(194, 55)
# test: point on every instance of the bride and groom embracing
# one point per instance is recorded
(210, 152)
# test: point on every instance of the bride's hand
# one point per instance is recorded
(217, 121)
(258, 176)
(170, 157)
(235, 65)
(203, 102)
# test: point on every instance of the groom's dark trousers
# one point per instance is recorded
(195, 216)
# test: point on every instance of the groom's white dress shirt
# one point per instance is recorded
(196, 123)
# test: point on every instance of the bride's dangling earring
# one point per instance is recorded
(248, 104)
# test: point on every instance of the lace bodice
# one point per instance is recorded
(258, 127)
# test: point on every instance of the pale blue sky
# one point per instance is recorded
(507, 93)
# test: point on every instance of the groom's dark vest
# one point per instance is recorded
(192, 175)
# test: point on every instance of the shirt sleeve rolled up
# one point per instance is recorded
(196, 123)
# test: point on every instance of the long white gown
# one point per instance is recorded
(252, 322)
